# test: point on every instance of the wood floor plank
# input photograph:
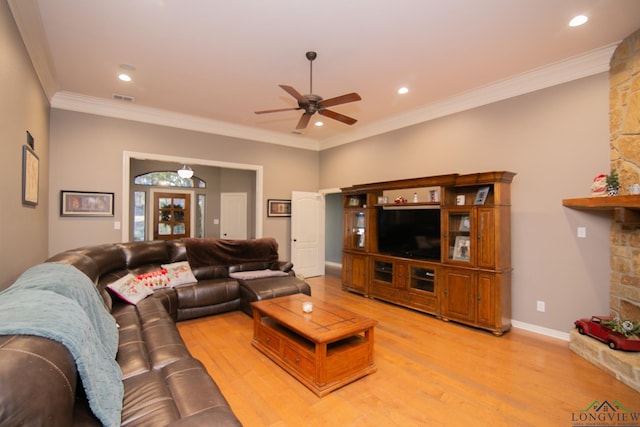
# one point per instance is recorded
(430, 373)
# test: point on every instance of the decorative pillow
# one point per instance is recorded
(179, 273)
(130, 289)
(155, 279)
(257, 274)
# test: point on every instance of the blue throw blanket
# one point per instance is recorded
(59, 302)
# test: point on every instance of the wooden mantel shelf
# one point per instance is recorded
(626, 209)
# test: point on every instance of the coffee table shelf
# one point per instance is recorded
(324, 350)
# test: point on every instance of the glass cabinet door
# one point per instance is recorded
(356, 229)
(460, 245)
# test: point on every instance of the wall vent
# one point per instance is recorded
(119, 97)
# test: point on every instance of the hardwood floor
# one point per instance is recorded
(430, 373)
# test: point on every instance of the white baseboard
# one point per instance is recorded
(541, 330)
(333, 264)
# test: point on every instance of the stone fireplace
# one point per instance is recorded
(624, 116)
(624, 291)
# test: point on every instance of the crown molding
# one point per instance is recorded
(28, 21)
(120, 110)
(27, 18)
(574, 68)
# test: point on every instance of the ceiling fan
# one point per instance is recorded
(312, 103)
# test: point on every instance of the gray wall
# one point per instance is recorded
(23, 106)
(87, 154)
(556, 140)
(333, 228)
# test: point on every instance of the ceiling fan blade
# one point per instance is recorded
(337, 116)
(343, 99)
(304, 121)
(291, 91)
(277, 110)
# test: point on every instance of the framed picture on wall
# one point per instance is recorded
(30, 176)
(276, 207)
(86, 203)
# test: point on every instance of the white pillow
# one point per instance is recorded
(130, 289)
(179, 273)
(257, 274)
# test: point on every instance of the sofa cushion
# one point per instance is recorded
(141, 253)
(179, 273)
(207, 292)
(38, 378)
(257, 274)
(130, 289)
(156, 279)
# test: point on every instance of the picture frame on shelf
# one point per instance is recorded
(278, 208)
(462, 248)
(465, 223)
(481, 196)
(354, 202)
(86, 203)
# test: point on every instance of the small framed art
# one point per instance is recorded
(86, 203)
(462, 248)
(30, 176)
(481, 196)
(276, 207)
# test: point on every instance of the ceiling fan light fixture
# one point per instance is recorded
(403, 90)
(185, 172)
(124, 77)
(319, 123)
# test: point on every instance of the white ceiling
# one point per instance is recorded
(218, 61)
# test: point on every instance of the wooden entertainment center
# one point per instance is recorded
(467, 279)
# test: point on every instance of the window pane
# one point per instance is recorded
(200, 201)
(164, 202)
(179, 203)
(139, 204)
(164, 229)
(178, 229)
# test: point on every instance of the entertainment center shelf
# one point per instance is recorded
(440, 245)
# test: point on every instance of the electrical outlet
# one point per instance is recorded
(541, 306)
(582, 232)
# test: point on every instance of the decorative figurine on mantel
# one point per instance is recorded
(605, 185)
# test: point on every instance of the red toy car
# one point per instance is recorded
(596, 329)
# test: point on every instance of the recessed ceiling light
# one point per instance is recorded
(319, 123)
(578, 20)
(403, 90)
(124, 77)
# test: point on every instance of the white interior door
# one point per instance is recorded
(233, 215)
(307, 233)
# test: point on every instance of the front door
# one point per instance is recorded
(171, 216)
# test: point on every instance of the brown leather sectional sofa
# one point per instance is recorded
(163, 383)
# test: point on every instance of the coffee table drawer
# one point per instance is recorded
(269, 339)
(300, 360)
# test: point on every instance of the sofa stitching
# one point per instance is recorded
(55, 367)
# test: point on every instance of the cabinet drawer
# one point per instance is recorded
(384, 292)
(269, 339)
(300, 360)
(422, 302)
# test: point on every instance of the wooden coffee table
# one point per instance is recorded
(324, 349)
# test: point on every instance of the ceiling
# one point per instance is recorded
(212, 63)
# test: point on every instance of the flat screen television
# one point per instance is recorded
(409, 233)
